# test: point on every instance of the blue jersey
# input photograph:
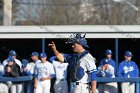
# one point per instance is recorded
(82, 67)
(128, 69)
(111, 62)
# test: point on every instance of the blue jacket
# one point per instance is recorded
(128, 69)
(111, 62)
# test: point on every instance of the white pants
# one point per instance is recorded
(61, 86)
(128, 87)
(16, 88)
(107, 87)
(43, 86)
(82, 88)
(3, 88)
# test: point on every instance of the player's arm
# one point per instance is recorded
(91, 67)
(35, 74)
(52, 74)
(93, 86)
(58, 55)
(48, 77)
(35, 83)
(93, 81)
(137, 70)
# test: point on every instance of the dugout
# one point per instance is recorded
(28, 39)
(24, 47)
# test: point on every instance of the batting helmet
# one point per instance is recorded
(77, 38)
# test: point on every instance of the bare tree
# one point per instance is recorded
(1, 12)
(76, 12)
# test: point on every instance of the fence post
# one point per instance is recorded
(116, 52)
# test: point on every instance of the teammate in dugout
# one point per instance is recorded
(13, 54)
(128, 69)
(108, 54)
(82, 64)
(60, 85)
(106, 70)
(44, 72)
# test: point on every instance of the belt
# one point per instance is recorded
(61, 79)
(77, 83)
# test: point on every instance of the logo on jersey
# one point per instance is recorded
(43, 71)
(128, 69)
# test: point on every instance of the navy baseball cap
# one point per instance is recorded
(128, 54)
(24, 63)
(108, 52)
(43, 55)
(12, 53)
(10, 59)
(105, 61)
(35, 54)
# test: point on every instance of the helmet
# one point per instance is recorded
(77, 38)
(108, 52)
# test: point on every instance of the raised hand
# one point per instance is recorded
(52, 45)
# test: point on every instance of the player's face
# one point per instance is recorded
(76, 47)
(10, 63)
(33, 57)
(14, 57)
(43, 59)
(108, 56)
(128, 58)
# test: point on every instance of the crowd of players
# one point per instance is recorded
(80, 67)
(12, 67)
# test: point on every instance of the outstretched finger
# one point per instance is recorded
(52, 42)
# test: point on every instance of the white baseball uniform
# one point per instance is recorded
(43, 70)
(60, 85)
(31, 66)
(3, 88)
(84, 67)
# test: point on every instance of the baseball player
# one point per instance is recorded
(13, 70)
(82, 64)
(44, 72)
(30, 66)
(13, 54)
(60, 85)
(34, 57)
(106, 70)
(128, 69)
(108, 54)
(26, 71)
